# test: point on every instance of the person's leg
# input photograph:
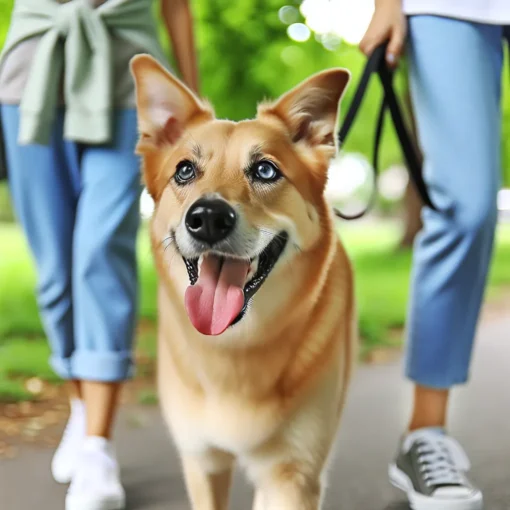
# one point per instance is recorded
(455, 86)
(430, 408)
(455, 71)
(105, 272)
(44, 195)
(101, 399)
(44, 201)
(105, 300)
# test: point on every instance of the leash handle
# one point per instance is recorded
(377, 64)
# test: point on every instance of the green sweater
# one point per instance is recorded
(75, 39)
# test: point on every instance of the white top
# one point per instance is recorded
(482, 11)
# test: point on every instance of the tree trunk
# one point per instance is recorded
(412, 201)
(412, 218)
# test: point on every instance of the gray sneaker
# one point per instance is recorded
(430, 468)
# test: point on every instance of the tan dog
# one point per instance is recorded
(256, 312)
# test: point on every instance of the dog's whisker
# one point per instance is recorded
(230, 246)
(170, 256)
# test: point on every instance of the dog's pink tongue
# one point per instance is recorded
(217, 298)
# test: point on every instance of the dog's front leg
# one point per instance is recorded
(289, 492)
(208, 480)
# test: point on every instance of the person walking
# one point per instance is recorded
(455, 51)
(67, 110)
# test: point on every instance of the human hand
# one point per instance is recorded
(388, 24)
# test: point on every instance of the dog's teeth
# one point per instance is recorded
(253, 269)
(199, 264)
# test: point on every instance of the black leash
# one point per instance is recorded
(377, 64)
(3, 158)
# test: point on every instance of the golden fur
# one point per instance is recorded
(267, 393)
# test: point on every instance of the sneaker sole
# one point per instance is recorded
(78, 503)
(63, 478)
(420, 502)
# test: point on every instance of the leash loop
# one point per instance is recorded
(377, 64)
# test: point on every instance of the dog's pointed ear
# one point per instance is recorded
(310, 109)
(165, 105)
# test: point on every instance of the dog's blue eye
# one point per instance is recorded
(266, 171)
(185, 172)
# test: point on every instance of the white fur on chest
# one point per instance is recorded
(244, 429)
(223, 423)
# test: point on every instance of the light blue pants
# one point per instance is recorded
(455, 86)
(79, 208)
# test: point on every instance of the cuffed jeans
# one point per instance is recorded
(79, 208)
(455, 72)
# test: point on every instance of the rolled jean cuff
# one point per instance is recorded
(61, 366)
(95, 366)
(436, 381)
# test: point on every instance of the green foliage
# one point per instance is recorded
(148, 398)
(6, 213)
(13, 391)
(505, 146)
(382, 282)
(5, 13)
(382, 279)
(22, 358)
(146, 343)
(245, 56)
(18, 307)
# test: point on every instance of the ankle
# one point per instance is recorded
(425, 424)
(96, 442)
(430, 408)
(98, 432)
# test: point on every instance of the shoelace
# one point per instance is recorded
(442, 460)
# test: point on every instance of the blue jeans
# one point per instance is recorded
(79, 208)
(455, 85)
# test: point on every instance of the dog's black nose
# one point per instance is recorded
(210, 220)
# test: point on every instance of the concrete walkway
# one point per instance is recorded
(376, 412)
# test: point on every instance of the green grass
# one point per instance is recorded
(18, 308)
(20, 359)
(146, 344)
(13, 391)
(383, 274)
(147, 398)
(382, 281)
(23, 358)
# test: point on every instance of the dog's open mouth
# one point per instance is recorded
(221, 287)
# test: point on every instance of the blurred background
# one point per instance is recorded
(250, 50)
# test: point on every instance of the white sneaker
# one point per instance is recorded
(96, 479)
(64, 460)
(431, 469)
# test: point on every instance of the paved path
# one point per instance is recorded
(376, 411)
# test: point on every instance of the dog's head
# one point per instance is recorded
(237, 199)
